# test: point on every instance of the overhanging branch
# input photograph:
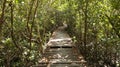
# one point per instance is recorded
(110, 21)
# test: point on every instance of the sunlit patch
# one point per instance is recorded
(61, 39)
(43, 60)
(80, 57)
(59, 51)
(66, 56)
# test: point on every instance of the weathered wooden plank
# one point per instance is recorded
(61, 46)
(64, 57)
(48, 48)
(61, 52)
(63, 62)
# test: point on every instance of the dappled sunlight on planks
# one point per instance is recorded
(60, 51)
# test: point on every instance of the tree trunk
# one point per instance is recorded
(2, 18)
(85, 26)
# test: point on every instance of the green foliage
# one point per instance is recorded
(34, 21)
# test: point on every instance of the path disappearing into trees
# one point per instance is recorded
(61, 52)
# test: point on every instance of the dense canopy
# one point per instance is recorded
(26, 26)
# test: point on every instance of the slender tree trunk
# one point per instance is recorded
(2, 18)
(12, 28)
(29, 15)
(85, 26)
(33, 20)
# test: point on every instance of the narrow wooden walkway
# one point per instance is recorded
(61, 52)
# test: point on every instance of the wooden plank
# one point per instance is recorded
(67, 65)
(60, 65)
(57, 55)
(61, 46)
(59, 49)
(68, 57)
(40, 65)
(63, 62)
(62, 54)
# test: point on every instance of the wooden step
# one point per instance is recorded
(60, 65)
(40, 65)
(58, 49)
(60, 46)
(67, 65)
(61, 54)
(66, 61)
(62, 61)
(65, 57)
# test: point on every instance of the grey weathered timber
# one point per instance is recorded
(61, 52)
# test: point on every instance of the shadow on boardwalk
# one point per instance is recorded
(61, 52)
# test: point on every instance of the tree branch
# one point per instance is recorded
(110, 21)
(12, 30)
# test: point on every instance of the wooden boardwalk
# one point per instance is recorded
(61, 52)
